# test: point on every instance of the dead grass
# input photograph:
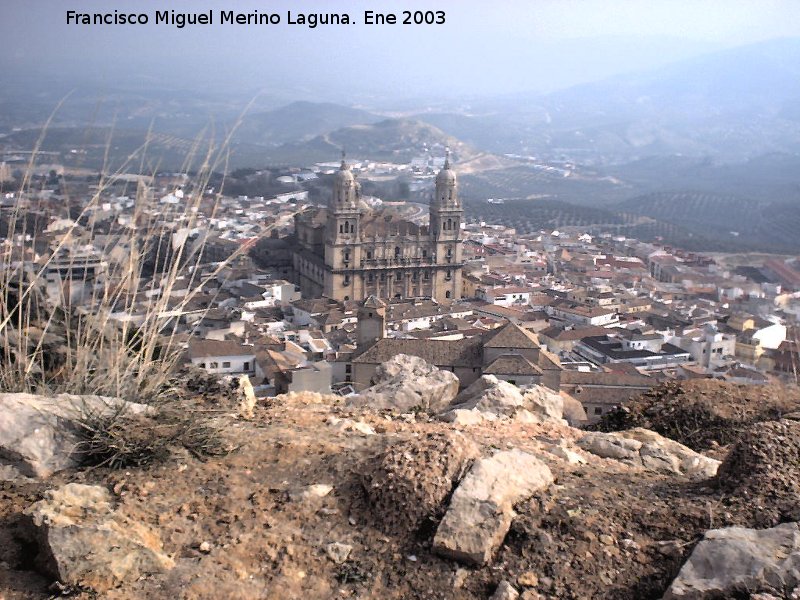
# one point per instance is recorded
(119, 439)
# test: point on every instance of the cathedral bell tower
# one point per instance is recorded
(342, 251)
(446, 216)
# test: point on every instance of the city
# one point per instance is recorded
(497, 304)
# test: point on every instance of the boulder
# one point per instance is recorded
(481, 508)
(573, 410)
(735, 562)
(410, 481)
(84, 541)
(642, 447)
(490, 395)
(544, 402)
(405, 383)
(40, 435)
(493, 397)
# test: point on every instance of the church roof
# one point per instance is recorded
(373, 302)
(465, 352)
(512, 364)
(512, 336)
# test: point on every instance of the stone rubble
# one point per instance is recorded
(481, 508)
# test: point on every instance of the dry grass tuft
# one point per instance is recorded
(119, 439)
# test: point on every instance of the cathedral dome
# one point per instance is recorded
(344, 174)
(446, 176)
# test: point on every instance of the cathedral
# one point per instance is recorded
(347, 251)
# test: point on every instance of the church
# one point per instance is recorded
(347, 251)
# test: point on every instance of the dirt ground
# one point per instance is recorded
(602, 530)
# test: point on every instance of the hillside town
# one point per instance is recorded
(599, 318)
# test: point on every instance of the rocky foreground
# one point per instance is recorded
(486, 494)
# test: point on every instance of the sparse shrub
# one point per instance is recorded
(120, 439)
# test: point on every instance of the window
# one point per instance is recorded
(346, 280)
(226, 365)
(346, 298)
(598, 410)
(424, 254)
(447, 275)
(370, 278)
(383, 277)
(213, 365)
(246, 365)
(447, 294)
(348, 368)
(397, 251)
(369, 254)
(202, 365)
(426, 276)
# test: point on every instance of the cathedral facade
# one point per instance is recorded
(346, 251)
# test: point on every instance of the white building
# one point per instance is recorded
(223, 357)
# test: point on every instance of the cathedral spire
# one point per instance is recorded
(343, 166)
(447, 157)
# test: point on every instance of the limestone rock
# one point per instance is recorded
(338, 552)
(490, 395)
(566, 454)
(39, 435)
(463, 416)
(247, 402)
(481, 508)
(572, 410)
(84, 541)
(731, 561)
(646, 448)
(505, 591)
(544, 402)
(610, 445)
(404, 383)
(493, 398)
(410, 481)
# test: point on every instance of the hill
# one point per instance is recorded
(300, 121)
(731, 105)
(396, 140)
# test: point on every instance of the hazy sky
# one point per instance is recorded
(484, 47)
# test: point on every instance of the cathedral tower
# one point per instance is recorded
(446, 216)
(342, 250)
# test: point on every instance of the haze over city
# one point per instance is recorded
(483, 49)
